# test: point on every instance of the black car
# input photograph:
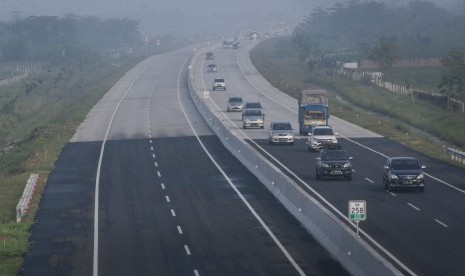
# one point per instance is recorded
(403, 172)
(333, 162)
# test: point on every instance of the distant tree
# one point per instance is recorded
(385, 53)
(453, 74)
(14, 49)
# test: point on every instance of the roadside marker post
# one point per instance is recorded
(357, 212)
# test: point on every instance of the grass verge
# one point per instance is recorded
(52, 104)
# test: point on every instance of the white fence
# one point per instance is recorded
(456, 155)
(26, 198)
(21, 70)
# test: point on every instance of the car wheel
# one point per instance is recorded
(244, 127)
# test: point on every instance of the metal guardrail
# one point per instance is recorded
(28, 193)
(456, 155)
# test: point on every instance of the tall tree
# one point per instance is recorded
(385, 53)
(453, 74)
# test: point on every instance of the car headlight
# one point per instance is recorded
(393, 176)
(420, 176)
(324, 165)
(334, 140)
(347, 165)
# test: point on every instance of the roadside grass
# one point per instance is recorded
(422, 78)
(52, 104)
(417, 124)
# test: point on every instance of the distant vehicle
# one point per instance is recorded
(281, 132)
(333, 161)
(209, 56)
(219, 83)
(235, 104)
(211, 68)
(403, 172)
(313, 110)
(320, 136)
(253, 117)
(236, 44)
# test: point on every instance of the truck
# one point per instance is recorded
(313, 110)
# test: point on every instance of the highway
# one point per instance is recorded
(145, 188)
(420, 233)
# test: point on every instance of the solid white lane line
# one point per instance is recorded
(162, 186)
(188, 252)
(158, 173)
(241, 196)
(97, 178)
(369, 180)
(442, 223)
(179, 230)
(167, 199)
(173, 213)
(413, 206)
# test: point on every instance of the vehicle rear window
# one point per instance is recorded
(219, 80)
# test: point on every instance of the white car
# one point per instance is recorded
(320, 136)
(218, 83)
(253, 118)
(281, 132)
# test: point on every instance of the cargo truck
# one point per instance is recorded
(313, 110)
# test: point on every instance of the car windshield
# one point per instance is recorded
(253, 105)
(235, 100)
(334, 155)
(405, 164)
(282, 126)
(219, 80)
(323, 131)
(253, 113)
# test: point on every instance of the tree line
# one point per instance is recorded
(384, 33)
(57, 39)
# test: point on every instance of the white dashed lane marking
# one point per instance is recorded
(162, 186)
(173, 213)
(158, 173)
(369, 180)
(167, 199)
(413, 206)
(179, 230)
(188, 252)
(442, 223)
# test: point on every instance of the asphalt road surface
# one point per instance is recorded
(171, 200)
(420, 233)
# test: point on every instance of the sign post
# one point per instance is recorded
(4, 240)
(357, 211)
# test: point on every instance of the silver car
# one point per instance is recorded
(281, 132)
(253, 118)
(235, 104)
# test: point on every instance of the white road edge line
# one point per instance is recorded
(244, 200)
(99, 166)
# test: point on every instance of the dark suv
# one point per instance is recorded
(403, 172)
(333, 161)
